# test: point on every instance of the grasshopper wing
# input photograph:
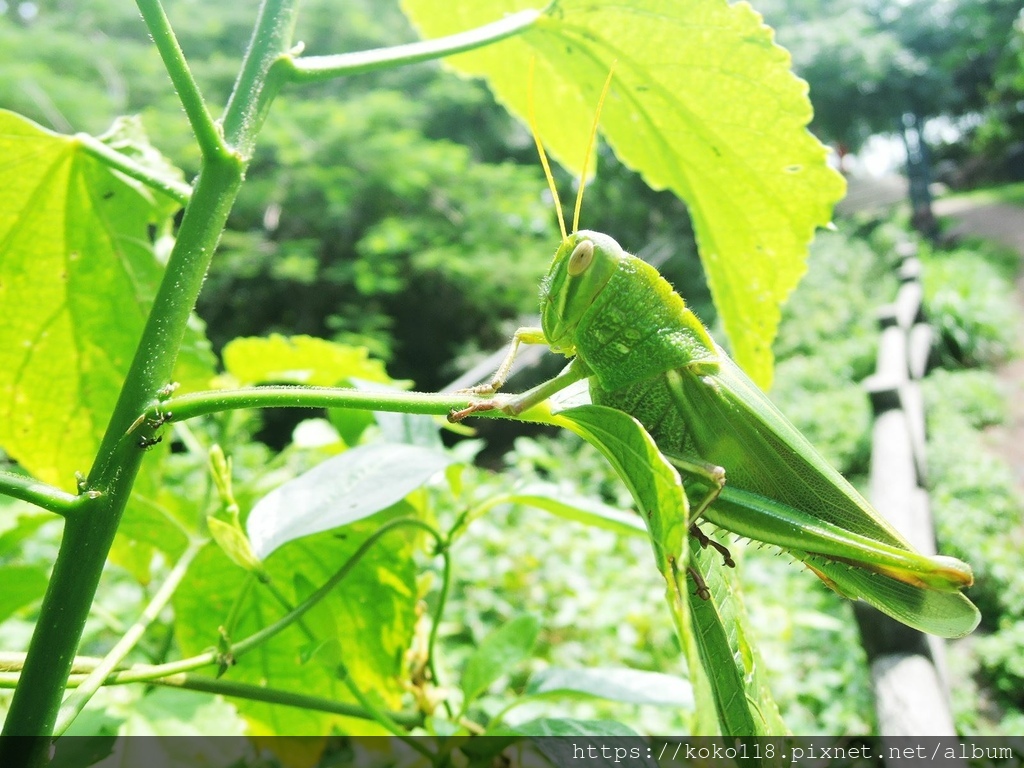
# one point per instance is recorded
(731, 423)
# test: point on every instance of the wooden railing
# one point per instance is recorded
(907, 667)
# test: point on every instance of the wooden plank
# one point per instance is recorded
(906, 702)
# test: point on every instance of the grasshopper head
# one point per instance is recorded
(582, 266)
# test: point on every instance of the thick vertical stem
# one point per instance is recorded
(88, 537)
(89, 534)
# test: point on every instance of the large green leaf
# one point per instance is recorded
(22, 585)
(652, 481)
(366, 623)
(702, 102)
(77, 277)
(726, 674)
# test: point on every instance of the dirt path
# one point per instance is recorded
(1005, 224)
(995, 221)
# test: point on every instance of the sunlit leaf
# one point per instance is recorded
(299, 360)
(734, 670)
(579, 509)
(369, 616)
(703, 103)
(77, 277)
(652, 481)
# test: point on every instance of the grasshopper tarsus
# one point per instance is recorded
(457, 416)
(705, 541)
(702, 588)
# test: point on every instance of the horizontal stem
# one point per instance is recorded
(39, 493)
(238, 690)
(178, 191)
(317, 68)
(202, 403)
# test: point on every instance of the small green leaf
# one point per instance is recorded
(578, 509)
(23, 584)
(632, 686)
(603, 743)
(558, 726)
(299, 360)
(702, 102)
(236, 546)
(339, 491)
(498, 653)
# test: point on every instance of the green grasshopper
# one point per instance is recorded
(645, 353)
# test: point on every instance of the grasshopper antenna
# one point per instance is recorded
(540, 151)
(590, 148)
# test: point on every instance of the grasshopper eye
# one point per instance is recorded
(582, 256)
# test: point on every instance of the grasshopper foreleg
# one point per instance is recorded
(516, 404)
(524, 335)
(711, 473)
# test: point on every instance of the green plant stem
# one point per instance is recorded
(39, 493)
(267, 632)
(174, 673)
(442, 599)
(203, 403)
(223, 687)
(286, 698)
(88, 537)
(259, 81)
(174, 189)
(207, 134)
(87, 688)
(318, 68)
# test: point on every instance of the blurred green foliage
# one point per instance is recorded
(869, 61)
(970, 298)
